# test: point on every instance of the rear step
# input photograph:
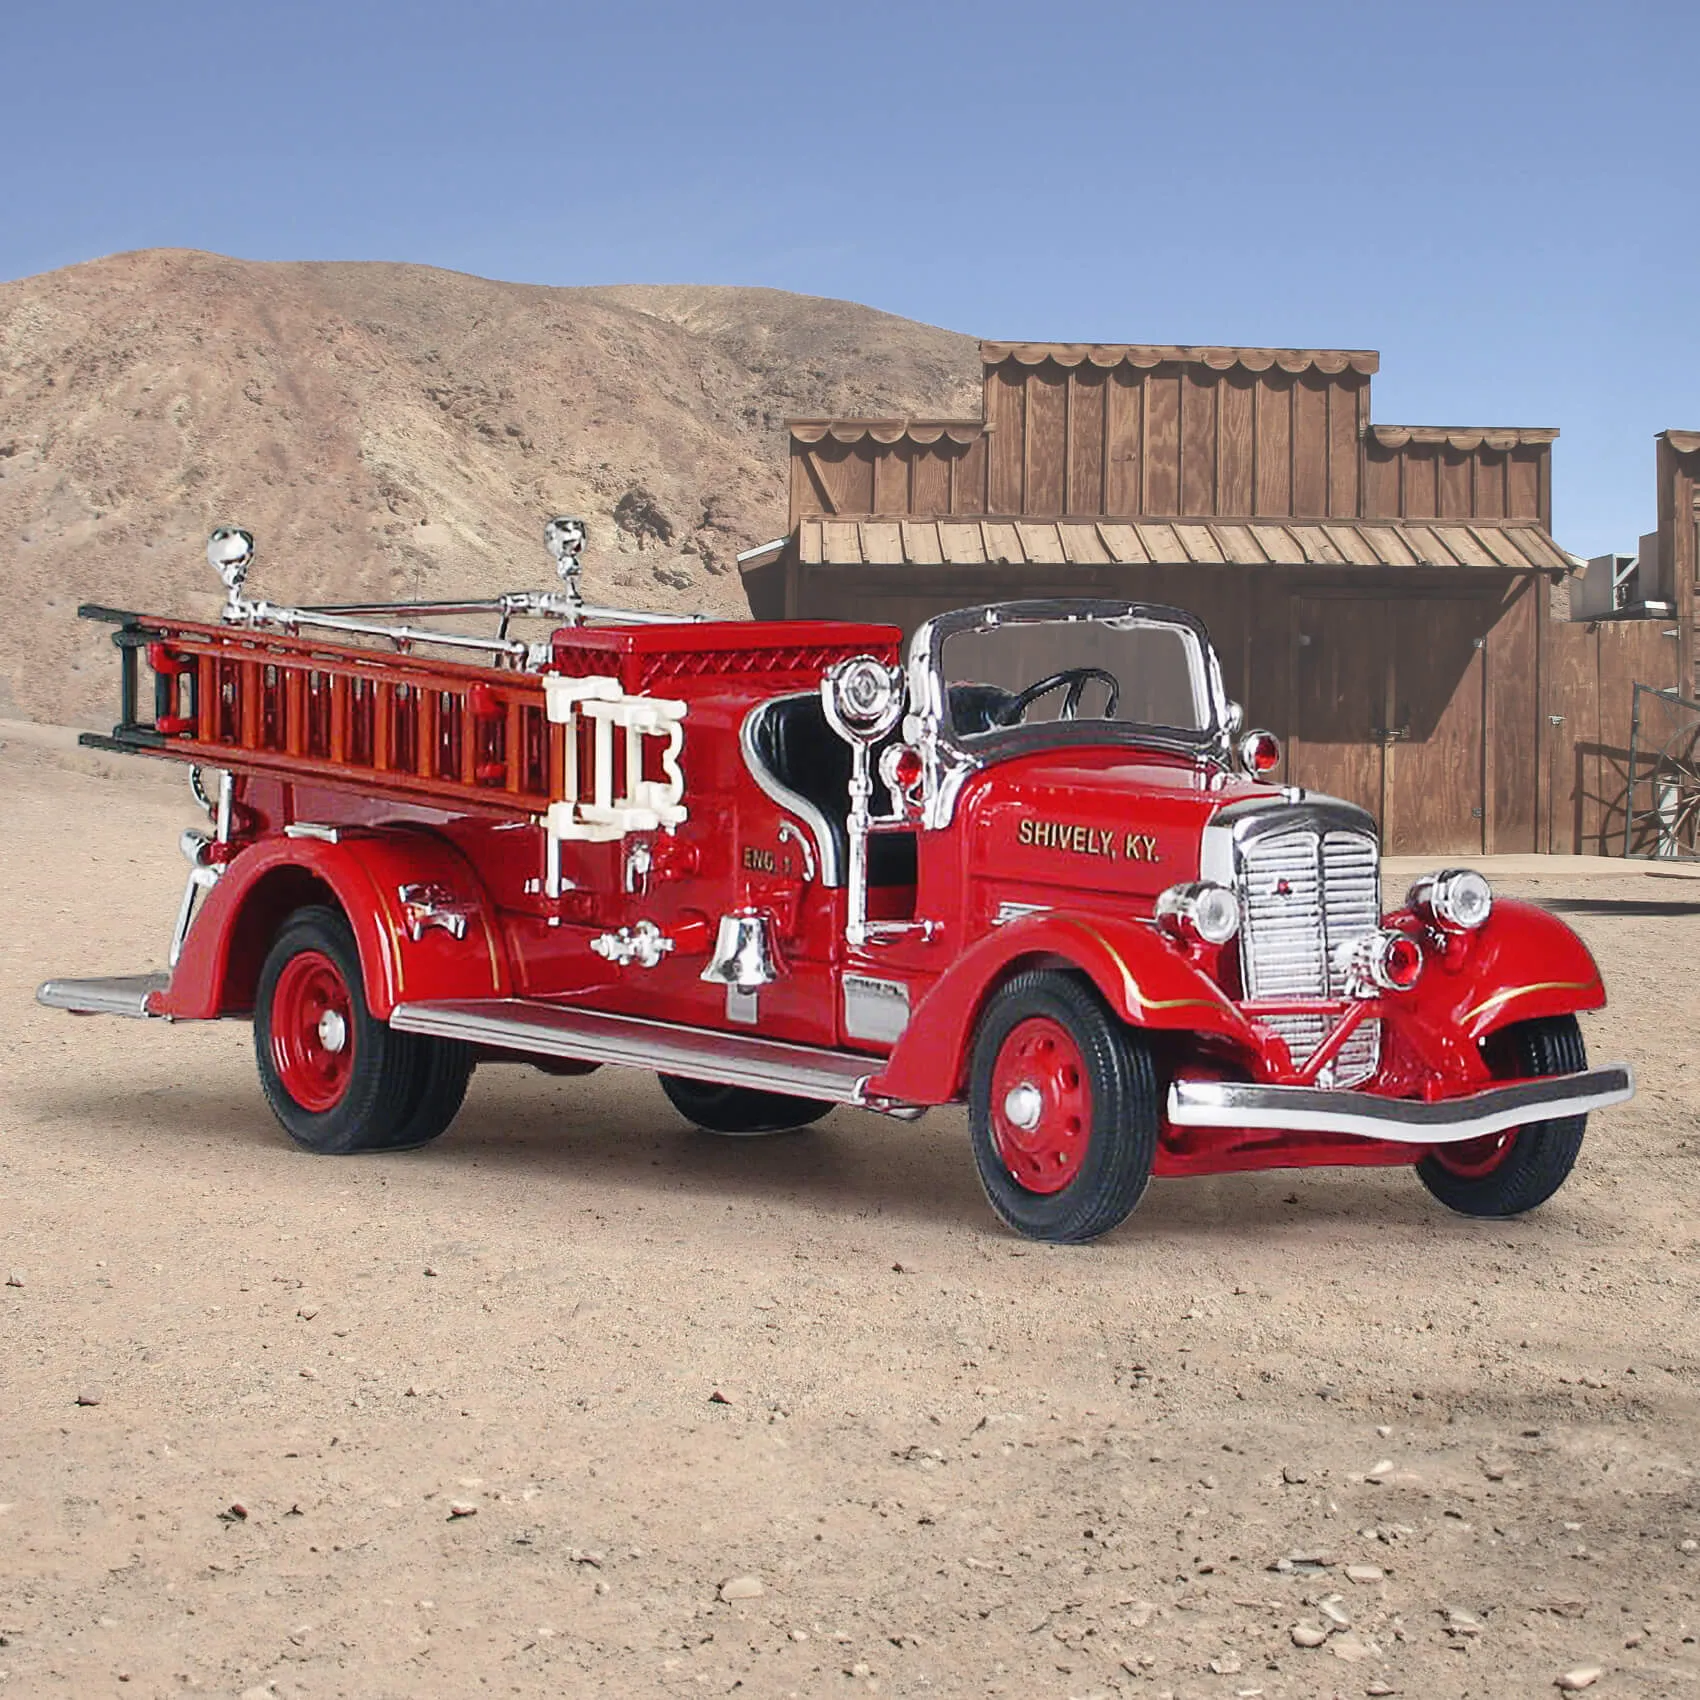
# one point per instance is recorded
(117, 994)
(582, 1035)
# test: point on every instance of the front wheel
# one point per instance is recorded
(1063, 1108)
(739, 1111)
(337, 1078)
(1504, 1174)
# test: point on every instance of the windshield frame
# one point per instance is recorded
(948, 759)
(927, 692)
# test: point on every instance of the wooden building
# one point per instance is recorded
(1381, 595)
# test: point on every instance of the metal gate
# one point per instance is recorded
(1662, 817)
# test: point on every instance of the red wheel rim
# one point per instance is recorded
(1471, 1159)
(1041, 1108)
(312, 1031)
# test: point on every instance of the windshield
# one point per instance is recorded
(1113, 673)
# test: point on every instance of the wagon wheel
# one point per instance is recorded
(1676, 792)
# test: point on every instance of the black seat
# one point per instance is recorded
(978, 708)
(792, 740)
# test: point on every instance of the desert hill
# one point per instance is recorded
(388, 429)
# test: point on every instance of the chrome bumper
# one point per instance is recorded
(125, 994)
(1412, 1121)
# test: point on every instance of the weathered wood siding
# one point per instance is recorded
(1679, 539)
(887, 467)
(1170, 433)
(1415, 472)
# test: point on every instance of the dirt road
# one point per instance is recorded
(810, 1374)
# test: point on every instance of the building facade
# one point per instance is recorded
(1382, 596)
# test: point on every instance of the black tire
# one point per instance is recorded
(1508, 1173)
(444, 1079)
(739, 1111)
(357, 1086)
(1083, 1165)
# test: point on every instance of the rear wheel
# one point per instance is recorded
(1504, 1174)
(1063, 1108)
(338, 1079)
(739, 1111)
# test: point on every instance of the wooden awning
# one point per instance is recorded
(1514, 545)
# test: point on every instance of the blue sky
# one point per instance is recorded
(1504, 198)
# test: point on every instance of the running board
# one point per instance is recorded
(584, 1035)
(118, 994)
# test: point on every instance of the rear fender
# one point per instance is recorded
(362, 875)
(1142, 977)
(1522, 964)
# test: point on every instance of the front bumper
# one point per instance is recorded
(1408, 1121)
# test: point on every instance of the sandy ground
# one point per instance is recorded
(953, 1463)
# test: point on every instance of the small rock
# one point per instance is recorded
(14, 1277)
(307, 1312)
(1463, 1623)
(461, 1508)
(1365, 1573)
(1378, 1689)
(860, 1669)
(1140, 1613)
(1384, 1429)
(309, 1375)
(718, 1398)
(415, 1391)
(1308, 1634)
(89, 1396)
(1334, 1611)
(742, 1588)
(429, 1270)
(1352, 1648)
(1574, 1681)
(1381, 1471)
(1228, 1665)
(259, 1692)
(799, 1635)
(1292, 1475)
(1688, 1546)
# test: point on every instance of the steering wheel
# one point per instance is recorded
(1077, 679)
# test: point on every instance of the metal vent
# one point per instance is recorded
(1304, 893)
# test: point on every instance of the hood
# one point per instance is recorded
(1098, 819)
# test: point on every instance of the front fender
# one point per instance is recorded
(362, 874)
(1143, 978)
(1522, 964)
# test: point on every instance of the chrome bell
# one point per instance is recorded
(741, 956)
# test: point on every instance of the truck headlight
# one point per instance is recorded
(1384, 961)
(1458, 899)
(1199, 912)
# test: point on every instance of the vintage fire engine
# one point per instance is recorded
(1035, 868)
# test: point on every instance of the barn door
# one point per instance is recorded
(1340, 672)
(1387, 712)
(1433, 782)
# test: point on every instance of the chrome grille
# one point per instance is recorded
(1304, 893)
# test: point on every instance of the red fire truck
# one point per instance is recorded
(1032, 866)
